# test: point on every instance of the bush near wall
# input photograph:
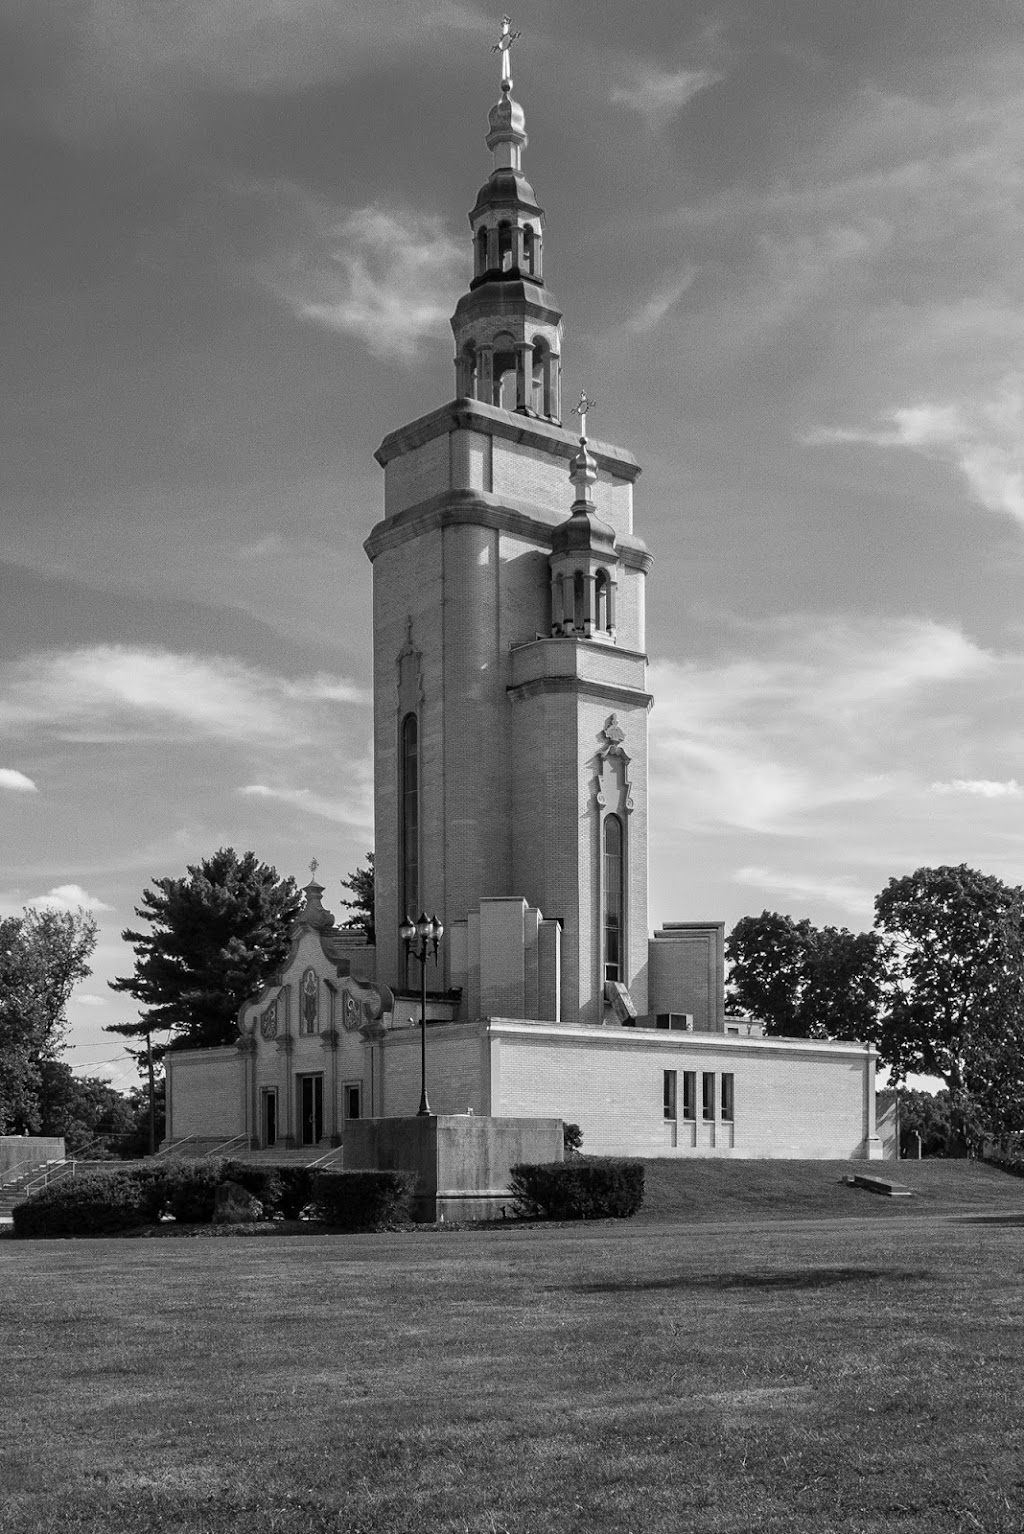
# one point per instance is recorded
(190, 1189)
(363, 1200)
(582, 1188)
(94, 1205)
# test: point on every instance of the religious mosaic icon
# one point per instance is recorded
(268, 1021)
(309, 1001)
(352, 1015)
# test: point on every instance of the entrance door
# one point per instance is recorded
(311, 1109)
(269, 1115)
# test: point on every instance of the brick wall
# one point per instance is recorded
(812, 1101)
(206, 1092)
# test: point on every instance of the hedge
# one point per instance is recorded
(581, 1188)
(363, 1200)
(96, 1204)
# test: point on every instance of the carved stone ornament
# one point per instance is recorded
(610, 783)
(363, 1004)
(268, 1021)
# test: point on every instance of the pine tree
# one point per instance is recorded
(217, 936)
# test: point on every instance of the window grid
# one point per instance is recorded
(669, 1094)
(728, 1097)
(708, 1096)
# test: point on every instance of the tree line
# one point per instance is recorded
(937, 985)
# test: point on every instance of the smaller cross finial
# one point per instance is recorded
(314, 865)
(504, 47)
(581, 409)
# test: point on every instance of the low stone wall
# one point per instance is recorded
(19, 1152)
(463, 1162)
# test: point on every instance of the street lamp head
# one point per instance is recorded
(436, 928)
(423, 928)
(407, 931)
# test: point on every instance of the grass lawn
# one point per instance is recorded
(844, 1373)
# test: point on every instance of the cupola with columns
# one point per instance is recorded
(508, 329)
(584, 561)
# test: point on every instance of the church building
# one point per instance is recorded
(510, 769)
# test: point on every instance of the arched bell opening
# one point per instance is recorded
(503, 384)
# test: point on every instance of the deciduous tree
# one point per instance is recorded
(43, 956)
(807, 982)
(217, 936)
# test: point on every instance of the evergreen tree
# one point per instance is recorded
(217, 936)
(360, 882)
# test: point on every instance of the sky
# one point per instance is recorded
(786, 238)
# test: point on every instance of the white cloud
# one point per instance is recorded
(114, 692)
(69, 897)
(812, 713)
(983, 788)
(840, 892)
(659, 95)
(356, 811)
(983, 438)
(86, 999)
(16, 781)
(387, 276)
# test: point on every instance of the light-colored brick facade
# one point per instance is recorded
(510, 738)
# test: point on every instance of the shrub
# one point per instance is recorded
(572, 1138)
(261, 1181)
(582, 1188)
(363, 1200)
(294, 1191)
(190, 1189)
(93, 1205)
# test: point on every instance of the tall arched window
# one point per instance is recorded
(614, 901)
(481, 252)
(505, 257)
(579, 606)
(410, 810)
(540, 390)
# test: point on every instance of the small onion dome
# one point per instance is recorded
(313, 914)
(506, 120)
(584, 529)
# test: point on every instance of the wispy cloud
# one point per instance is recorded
(87, 999)
(356, 810)
(983, 438)
(659, 95)
(386, 276)
(16, 781)
(657, 306)
(982, 788)
(809, 715)
(841, 892)
(112, 692)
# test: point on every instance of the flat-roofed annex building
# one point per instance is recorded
(510, 779)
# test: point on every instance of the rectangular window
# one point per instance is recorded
(689, 1094)
(728, 1097)
(352, 1094)
(708, 1094)
(670, 1094)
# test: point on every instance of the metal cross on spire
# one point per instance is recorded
(504, 47)
(581, 409)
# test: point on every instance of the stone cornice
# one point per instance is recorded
(473, 415)
(477, 508)
(605, 691)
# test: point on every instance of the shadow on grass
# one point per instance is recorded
(776, 1278)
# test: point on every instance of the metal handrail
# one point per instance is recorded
(10, 1174)
(165, 1150)
(223, 1145)
(335, 1150)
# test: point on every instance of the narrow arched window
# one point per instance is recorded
(504, 375)
(579, 607)
(466, 382)
(504, 246)
(481, 252)
(410, 812)
(539, 381)
(601, 610)
(528, 248)
(614, 961)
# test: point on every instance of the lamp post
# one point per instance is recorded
(419, 936)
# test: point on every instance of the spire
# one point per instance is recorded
(508, 330)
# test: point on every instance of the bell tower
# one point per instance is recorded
(510, 701)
